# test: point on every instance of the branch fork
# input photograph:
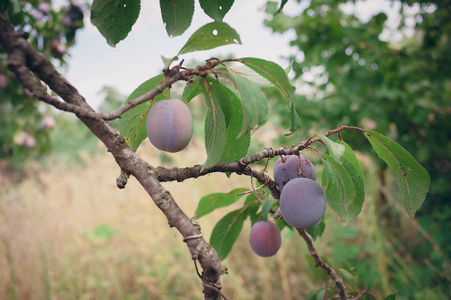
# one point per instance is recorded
(32, 70)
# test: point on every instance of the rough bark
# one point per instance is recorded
(30, 68)
(34, 71)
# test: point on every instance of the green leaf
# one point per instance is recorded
(350, 156)
(335, 149)
(274, 74)
(282, 224)
(236, 146)
(317, 230)
(288, 68)
(256, 110)
(266, 207)
(282, 4)
(226, 232)
(216, 9)
(209, 36)
(316, 294)
(412, 179)
(352, 166)
(319, 273)
(348, 278)
(114, 18)
(250, 74)
(209, 203)
(177, 15)
(339, 188)
(295, 119)
(252, 207)
(228, 146)
(215, 134)
(392, 296)
(215, 121)
(168, 61)
(191, 90)
(132, 124)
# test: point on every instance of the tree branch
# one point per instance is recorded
(24, 61)
(363, 293)
(319, 262)
(170, 76)
(23, 58)
(16, 64)
(239, 167)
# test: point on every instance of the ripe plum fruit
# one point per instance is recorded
(265, 238)
(170, 125)
(288, 168)
(302, 202)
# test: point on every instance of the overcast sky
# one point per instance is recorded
(93, 64)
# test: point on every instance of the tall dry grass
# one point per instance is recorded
(67, 232)
(49, 248)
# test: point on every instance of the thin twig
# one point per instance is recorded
(319, 262)
(23, 58)
(171, 76)
(362, 293)
(240, 167)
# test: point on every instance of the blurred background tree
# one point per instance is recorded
(395, 79)
(24, 122)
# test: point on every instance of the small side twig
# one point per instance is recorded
(319, 262)
(121, 180)
(208, 284)
(240, 167)
(362, 293)
(23, 58)
(173, 75)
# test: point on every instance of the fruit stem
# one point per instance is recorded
(300, 174)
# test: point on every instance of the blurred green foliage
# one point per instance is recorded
(25, 123)
(352, 70)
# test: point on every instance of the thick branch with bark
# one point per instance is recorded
(23, 60)
(32, 70)
(241, 166)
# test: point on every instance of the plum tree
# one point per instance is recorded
(170, 125)
(302, 203)
(236, 103)
(265, 238)
(287, 168)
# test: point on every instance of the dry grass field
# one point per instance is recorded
(70, 233)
